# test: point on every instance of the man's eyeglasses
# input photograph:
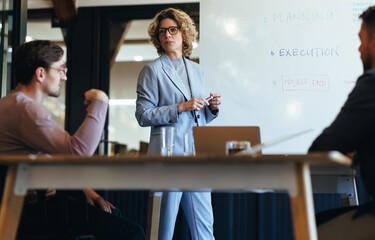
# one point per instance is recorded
(172, 30)
(61, 70)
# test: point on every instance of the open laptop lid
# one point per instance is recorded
(212, 140)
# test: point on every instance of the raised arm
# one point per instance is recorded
(40, 132)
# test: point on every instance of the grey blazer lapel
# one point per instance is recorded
(173, 76)
(194, 79)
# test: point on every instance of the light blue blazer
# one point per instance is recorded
(159, 90)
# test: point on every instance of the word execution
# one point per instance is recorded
(308, 52)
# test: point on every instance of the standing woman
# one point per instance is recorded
(170, 92)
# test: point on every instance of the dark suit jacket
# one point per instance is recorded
(353, 130)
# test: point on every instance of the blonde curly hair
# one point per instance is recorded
(185, 24)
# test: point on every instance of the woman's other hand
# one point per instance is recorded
(215, 101)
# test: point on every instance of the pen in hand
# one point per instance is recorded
(208, 99)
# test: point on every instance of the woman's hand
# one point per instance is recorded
(95, 199)
(215, 101)
(194, 104)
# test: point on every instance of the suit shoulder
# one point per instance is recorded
(193, 63)
(150, 67)
(366, 82)
(154, 64)
(362, 94)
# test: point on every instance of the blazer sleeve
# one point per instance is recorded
(148, 112)
(209, 115)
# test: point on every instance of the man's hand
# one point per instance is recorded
(93, 94)
(50, 193)
(95, 199)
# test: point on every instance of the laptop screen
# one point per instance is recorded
(212, 140)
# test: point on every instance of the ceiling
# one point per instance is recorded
(33, 4)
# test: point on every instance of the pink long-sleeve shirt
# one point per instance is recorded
(27, 128)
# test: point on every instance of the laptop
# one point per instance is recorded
(212, 140)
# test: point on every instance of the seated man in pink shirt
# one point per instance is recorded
(27, 128)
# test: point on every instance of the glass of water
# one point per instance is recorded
(167, 139)
(189, 144)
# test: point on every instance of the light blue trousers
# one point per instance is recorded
(198, 211)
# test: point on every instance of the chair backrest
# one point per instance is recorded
(212, 140)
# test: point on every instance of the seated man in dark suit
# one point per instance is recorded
(26, 128)
(353, 133)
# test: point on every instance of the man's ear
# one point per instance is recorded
(39, 74)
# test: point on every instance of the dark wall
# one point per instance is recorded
(82, 40)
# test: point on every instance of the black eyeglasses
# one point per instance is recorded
(172, 30)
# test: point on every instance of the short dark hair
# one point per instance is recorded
(368, 18)
(31, 55)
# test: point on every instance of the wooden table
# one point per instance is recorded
(289, 173)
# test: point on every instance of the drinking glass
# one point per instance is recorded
(167, 138)
(189, 149)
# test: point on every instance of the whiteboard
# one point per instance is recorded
(285, 65)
